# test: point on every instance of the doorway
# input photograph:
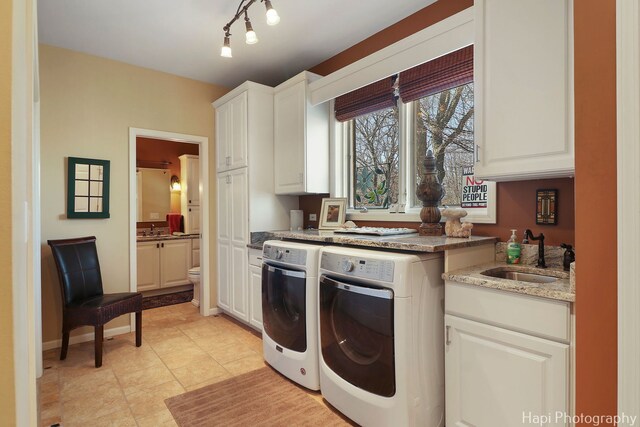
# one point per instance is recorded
(203, 150)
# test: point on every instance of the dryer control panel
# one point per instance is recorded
(366, 268)
(285, 255)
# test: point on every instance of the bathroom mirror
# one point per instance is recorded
(87, 188)
(153, 194)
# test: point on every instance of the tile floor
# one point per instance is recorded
(180, 351)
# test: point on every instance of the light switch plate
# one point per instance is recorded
(313, 217)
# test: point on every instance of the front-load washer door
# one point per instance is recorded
(356, 333)
(283, 306)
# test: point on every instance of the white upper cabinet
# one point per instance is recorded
(301, 138)
(523, 66)
(231, 133)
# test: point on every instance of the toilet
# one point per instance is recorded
(194, 277)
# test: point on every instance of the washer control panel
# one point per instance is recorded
(285, 255)
(366, 268)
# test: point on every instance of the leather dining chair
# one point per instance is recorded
(84, 302)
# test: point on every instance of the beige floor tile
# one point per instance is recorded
(50, 411)
(182, 356)
(119, 419)
(172, 344)
(247, 364)
(199, 370)
(151, 401)
(74, 379)
(219, 341)
(47, 422)
(157, 334)
(161, 418)
(144, 379)
(93, 407)
(124, 364)
(230, 352)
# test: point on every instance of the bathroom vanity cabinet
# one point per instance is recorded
(163, 263)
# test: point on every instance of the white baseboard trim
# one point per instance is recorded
(213, 311)
(75, 339)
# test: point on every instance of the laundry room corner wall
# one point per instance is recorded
(87, 106)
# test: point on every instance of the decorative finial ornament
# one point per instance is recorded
(430, 192)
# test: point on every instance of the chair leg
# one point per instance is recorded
(138, 328)
(99, 336)
(65, 345)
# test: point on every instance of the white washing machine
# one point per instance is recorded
(381, 336)
(290, 310)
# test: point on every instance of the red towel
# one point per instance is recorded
(174, 220)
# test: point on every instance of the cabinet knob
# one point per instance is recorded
(158, 245)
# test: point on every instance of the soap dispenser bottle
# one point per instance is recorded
(513, 249)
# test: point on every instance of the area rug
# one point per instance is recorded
(166, 299)
(258, 398)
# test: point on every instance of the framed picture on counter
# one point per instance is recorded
(333, 213)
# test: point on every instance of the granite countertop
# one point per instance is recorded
(165, 237)
(563, 289)
(255, 246)
(403, 242)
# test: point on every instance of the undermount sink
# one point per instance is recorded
(519, 276)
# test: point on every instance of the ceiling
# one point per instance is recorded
(184, 37)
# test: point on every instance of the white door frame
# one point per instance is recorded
(203, 142)
(628, 159)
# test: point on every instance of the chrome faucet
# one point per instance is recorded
(540, 238)
(153, 226)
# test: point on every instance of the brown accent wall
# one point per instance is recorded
(595, 136)
(516, 209)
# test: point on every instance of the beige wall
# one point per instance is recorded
(87, 106)
(7, 394)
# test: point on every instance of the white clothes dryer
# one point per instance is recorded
(381, 336)
(290, 310)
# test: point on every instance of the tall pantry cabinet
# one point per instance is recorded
(246, 200)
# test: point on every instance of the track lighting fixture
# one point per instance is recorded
(250, 37)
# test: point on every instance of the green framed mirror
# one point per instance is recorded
(87, 188)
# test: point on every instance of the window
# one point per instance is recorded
(443, 123)
(376, 155)
(386, 141)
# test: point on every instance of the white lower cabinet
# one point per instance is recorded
(497, 377)
(255, 288)
(162, 264)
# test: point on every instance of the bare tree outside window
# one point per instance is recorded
(444, 124)
(376, 156)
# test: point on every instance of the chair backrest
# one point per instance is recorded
(78, 268)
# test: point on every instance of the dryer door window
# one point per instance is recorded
(356, 332)
(283, 306)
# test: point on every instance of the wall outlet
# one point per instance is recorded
(313, 217)
(154, 215)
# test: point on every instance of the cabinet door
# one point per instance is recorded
(255, 296)
(148, 266)
(224, 240)
(175, 261)
(238, 128)
(289, 139)
(193, 185)
(495, 377)
(523, 89)
(192, 220)
(223, 136)
(239, 240)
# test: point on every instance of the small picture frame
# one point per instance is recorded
(547, 206)
(333, 213)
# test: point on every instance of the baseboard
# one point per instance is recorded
(213, 311)
(75, 339)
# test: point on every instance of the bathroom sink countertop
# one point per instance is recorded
(166, 237)
(562, 289)
(402, 242)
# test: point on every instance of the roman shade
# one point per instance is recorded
(450, 70)
(367, 99)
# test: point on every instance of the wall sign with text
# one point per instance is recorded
(474, 192)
